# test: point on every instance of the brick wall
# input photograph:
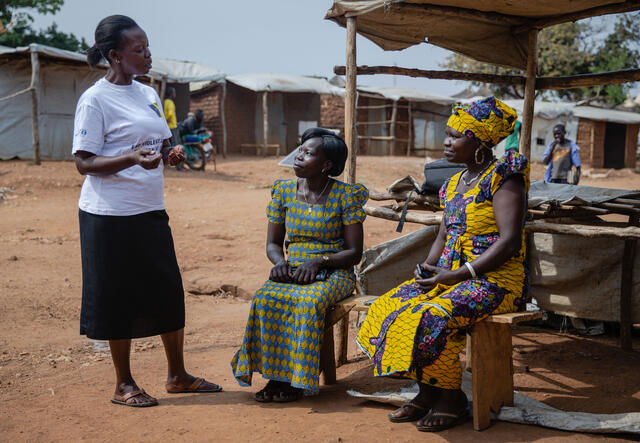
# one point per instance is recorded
(208, 99)
(591, 141)
(332, 112)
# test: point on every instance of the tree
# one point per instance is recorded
(572, 49)
(22, 34)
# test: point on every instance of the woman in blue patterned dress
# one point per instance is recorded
(322, 220)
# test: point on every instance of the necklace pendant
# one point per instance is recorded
(309, 210)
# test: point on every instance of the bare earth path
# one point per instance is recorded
(55, 386)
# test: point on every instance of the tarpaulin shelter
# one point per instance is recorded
(40, 86)
(501, 33)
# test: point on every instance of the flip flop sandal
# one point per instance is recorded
(456, 419)
(419, 412)
(195, 388)
(122, 399)
(288, 395)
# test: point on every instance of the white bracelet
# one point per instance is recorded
(471, 270)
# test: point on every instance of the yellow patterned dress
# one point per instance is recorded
(419, 336)
(284, 332)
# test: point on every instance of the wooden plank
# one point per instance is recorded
(514, 317)
(492, 377)
(627, 201)
(529, 94)
(630, 232)
(350, 99)
(411, 217)
(586, 80)
(343, 341)
(626, 292)
(327, 358)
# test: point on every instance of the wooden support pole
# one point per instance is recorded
(529, 94)
(163, 90)
(409, 130)
(392, 129)
(350, 134)
(265, 123)
(626, 293)
(343, 340)
(327, 358)
(35, 114)
(223, 119)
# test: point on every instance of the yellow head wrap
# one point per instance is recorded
(487, 120)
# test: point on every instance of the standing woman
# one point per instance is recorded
(131, 284)
(322, 220)
(475, 268)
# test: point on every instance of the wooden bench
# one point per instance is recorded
(489, 355)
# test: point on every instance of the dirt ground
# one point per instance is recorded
(55, 385)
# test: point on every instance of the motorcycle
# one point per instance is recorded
(198, 148)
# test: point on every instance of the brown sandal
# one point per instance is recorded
(194, 388)
(123, 399)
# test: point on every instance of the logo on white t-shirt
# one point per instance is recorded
(154, 107)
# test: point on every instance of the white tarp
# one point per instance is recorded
(526, 410)
(285, 83)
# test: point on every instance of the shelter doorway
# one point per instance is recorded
(277, 126)
(615, 138)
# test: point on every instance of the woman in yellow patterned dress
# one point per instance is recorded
(475, 268)
(322, 219)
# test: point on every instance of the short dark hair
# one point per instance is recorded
(334, 148)
(199, 114)
(560, 126)
(108, 36)
(170, 91)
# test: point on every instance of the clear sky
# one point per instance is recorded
(253, 36)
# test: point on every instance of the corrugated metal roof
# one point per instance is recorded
(176, 71)
(394, 93)
(285, 83)
(607, 115)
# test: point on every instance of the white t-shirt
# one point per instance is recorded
(112, 120)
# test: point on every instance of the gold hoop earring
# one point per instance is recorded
(479, 162)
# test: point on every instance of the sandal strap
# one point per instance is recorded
(196, 384)
(414, 405)
(131, 394)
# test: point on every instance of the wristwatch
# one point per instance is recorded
(325, 259)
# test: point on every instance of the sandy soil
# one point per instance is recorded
(54, 385)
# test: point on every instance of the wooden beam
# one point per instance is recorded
(586, 80)
(409, 130)
(629, 5)
(390, 214)
(392, 129)
(350, 131)
(626, 293)
(529, 94)
(435, 74)
(265, 122)
(223, 119)
(35, 114)
(564, 82)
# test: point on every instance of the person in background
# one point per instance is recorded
(560, 156)
(131, 283)
(170, 115)
(192, 124)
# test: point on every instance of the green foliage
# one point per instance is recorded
(22, 34)
(572, 49)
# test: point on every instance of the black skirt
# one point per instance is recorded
(131, 284)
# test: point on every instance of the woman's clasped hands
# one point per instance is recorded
(304, 274)
(438, 276)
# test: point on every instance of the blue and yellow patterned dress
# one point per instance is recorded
(284, 332)
(420, 335)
